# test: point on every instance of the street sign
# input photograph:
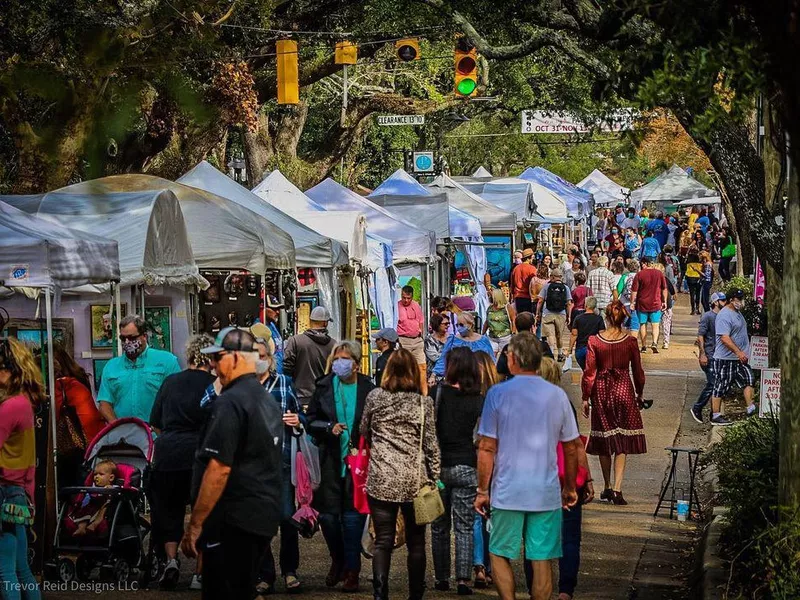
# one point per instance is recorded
(537, 121)
(770, 392)
(401, 119)
(759, 352)
(423, 162)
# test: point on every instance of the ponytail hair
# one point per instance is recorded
(615, 314)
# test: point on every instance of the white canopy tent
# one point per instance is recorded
(604, 189)
(148, 226)
(492, 218)
(36, 253)
(312, 249)
(424, 208)
(482, 173)
(699, 202)
(409, 242)
(368, 249)
(578, 201)
(672, 186)
(530, 201)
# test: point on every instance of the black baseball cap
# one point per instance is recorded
(232, 339)
(737, 293)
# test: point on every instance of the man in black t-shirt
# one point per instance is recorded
(585, 326)
(237, 506)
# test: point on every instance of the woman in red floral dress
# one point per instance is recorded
(616, 401)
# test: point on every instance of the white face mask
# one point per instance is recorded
(262, 367)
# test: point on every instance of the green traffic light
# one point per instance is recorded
(466, 86)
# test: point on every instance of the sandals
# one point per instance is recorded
(293, 584)
(481, 579)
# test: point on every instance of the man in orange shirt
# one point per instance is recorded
(521, 282)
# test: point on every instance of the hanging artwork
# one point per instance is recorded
(103, 325)
(159, 332)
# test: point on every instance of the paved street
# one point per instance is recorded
(626, 553)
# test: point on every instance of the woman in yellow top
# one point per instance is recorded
(694, 270)
(693, 216)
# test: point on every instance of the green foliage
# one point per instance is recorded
(744, 283)
(762, 543)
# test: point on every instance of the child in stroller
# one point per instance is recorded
(87, 515)
(102, 523)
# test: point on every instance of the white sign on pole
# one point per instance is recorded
(536, 121)
(401, 120)
(759, 352)
(770, 392)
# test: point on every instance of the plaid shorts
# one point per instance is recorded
(731, 373)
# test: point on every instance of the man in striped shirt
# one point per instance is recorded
(601, 282)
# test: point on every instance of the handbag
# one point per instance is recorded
(70, 437)
(428, 505)
(358, 465)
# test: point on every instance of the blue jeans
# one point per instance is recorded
(706, 394)
(343, 536)
(570, 561)
(480, 547)
(580, 356)
(16, 579)
(705, 295)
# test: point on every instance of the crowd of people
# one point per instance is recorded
(441, 398)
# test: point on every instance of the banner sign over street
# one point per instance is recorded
(401, 120)
(759, 352)
(770, 392)
(536, 121)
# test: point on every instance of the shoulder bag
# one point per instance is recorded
(428, 505)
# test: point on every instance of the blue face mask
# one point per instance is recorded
(463, 330)
(342, 367)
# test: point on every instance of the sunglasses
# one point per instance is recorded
(217, 356)
(130, 338)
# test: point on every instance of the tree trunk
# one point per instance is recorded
(789, 467)
(742, 171)
(258, 150)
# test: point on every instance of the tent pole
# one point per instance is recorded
(118, 312)
(51, 384)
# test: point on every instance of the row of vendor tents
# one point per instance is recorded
(140, 229)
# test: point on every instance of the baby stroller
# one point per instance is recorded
(119, 551)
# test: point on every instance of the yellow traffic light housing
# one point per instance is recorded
(466, 69)
(346, 53)
(288, 72)
(407, 49)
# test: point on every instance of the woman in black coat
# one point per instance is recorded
(334, 415)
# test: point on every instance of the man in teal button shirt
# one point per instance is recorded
(130, 382)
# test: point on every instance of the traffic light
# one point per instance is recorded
(288, 74)
(407, 49)
(466, 67)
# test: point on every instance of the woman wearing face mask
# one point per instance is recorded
(21, 391)
(177, 417)
(386, 342)
(633, 242)
(334, 417)
(282, 391)
(467, 336)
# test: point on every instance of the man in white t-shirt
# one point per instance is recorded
(522, 422)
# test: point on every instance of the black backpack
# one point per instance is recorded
(556, 299)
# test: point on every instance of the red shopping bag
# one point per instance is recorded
(358, 464)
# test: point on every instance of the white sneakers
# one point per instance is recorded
(197, 582)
